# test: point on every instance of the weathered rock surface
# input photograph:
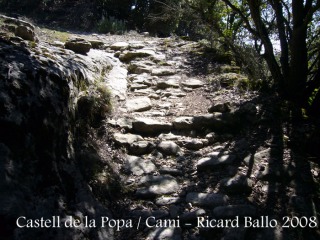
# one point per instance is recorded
(126, 139)
(78, 45)
(168, 147)
(147, 125)
(138, 166)
(139, 104)
(192, 83)
(157, 185)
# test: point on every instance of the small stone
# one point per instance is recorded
(168, 148)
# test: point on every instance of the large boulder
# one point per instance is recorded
(78, 45)
(25, 33)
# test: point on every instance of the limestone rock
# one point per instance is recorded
(141, 67)
(170, 83)
(238, 184)
(96, 44)
(192, 144)
(193, 83)
(162, 72)
(139, 166)
(206, 199)
(141, 147)
(163, 201)
(139, 104)
(119, 46)
(141, 53)
(126, 139)
(213, 161)
(78, 45)
(26, 33)
(147, 125)
(168, 147)
(153, 186)
(183, 123)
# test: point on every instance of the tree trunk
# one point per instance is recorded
(296, 82)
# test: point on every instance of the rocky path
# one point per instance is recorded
(194, 152)
(175, 164)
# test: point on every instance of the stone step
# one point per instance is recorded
(152, 186)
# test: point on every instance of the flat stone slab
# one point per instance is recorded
(148, 125)
(163, 72)
(153, 186)
(168, 147)
(163, 201)
(119, 46)
(238, 184)
(170, 83)
(213, 161)
(138, 166)
(139, 104)
(141, 67)
(126, 139)
(140, 53)
(193, 83)
(233, 211)
(206, 199)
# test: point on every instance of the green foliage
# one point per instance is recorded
(112, 25)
